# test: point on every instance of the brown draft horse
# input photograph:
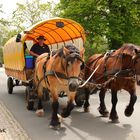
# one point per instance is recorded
(124, 63)
(58, 73)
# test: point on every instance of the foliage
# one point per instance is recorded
(115, 22)
(108, 23)
(25, 15)
(31, 12)
(3, 28)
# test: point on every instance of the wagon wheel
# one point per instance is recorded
(29, 98)
(80, 98)
(10, 85)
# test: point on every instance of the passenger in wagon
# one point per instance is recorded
(39, 47)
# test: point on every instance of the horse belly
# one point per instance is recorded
(126, 83)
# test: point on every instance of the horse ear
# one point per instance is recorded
(82, 53)
(65, 51)
(136, 51)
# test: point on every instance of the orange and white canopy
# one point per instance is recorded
(56, 31)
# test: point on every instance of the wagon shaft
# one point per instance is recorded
(92, 86)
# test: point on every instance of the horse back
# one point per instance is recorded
(91, 64)
(93, 58)
(40, 61)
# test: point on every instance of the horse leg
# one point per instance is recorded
(114, 100)
(130, 108)
(86, 104)
(70, 105)
(40, 111)
(55, 123)
(102, 108)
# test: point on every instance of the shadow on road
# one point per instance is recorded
(96, 127)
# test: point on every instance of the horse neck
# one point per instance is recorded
(57, 65)
(127, 62)
(125, 54)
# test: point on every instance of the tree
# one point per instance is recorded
(123, 22)
(31, 12)
(25, 15)
(3, 28)
(108, 21)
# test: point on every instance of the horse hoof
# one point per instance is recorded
(64, 114)
(86, 109)
(40, 112)
(115, 121)
(103, 112)
(55, 127)
(128, 111)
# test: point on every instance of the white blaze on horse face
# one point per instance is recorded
(73, 70)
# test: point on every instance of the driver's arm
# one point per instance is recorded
(33, 54)
(33, 51)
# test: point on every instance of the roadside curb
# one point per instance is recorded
(10, 129)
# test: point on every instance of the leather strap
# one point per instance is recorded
(53, 73)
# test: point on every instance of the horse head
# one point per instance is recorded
(136, 62)
(133, 51)
(73, 59)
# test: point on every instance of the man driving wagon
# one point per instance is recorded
(40, 47)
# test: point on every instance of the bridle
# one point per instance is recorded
(59, 76)
(71, 57)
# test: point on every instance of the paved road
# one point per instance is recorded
(79, 126)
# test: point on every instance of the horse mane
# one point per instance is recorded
(71, 47)
(94, 58)
(128, 48)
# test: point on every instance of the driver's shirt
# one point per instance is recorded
(36, 48)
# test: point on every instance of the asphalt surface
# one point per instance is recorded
(80, 125)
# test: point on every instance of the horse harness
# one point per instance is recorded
(118, 72)
(115, 73)
(71, 57)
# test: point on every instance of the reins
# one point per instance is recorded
(113, 73)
